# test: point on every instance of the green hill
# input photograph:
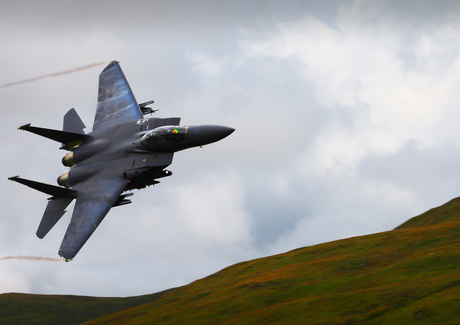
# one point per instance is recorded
(447, 212)
(407, 275)
(18, 308)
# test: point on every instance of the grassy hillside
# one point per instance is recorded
(17, 308)
(408, 275)
(447, 212)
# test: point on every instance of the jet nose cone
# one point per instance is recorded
(223, 131)
(217, 132)
(205, 134)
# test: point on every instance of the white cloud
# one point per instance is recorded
(359, 72)
(210, 211)
(207, 64)
(382, 84)
(345, 208)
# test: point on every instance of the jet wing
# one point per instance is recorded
(95, 198)
(116, 103)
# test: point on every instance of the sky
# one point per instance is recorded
(346, 116)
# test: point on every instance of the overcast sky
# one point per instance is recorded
(346, 116)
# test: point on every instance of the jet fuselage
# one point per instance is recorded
(125, 151)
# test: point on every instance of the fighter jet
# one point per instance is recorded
(124, 151)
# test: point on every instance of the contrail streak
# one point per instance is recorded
(56, 74)
(33, 258)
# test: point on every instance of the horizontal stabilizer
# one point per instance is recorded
(55, 191)
(69, 139)
(54, 211)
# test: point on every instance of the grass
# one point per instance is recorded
(447, 212)
(17, 308)
(408, 275)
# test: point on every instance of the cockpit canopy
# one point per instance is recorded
(165, 134)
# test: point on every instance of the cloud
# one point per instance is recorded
(209, 210)
(345, 116)
(381, 92)
(358, 71)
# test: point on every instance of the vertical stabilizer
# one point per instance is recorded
(54, 211)
(73, 122)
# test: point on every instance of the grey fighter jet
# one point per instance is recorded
(125, 151)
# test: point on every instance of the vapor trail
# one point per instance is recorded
(33, 258)
(56, 74)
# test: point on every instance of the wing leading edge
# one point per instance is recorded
(116, 103)
(95, 198)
